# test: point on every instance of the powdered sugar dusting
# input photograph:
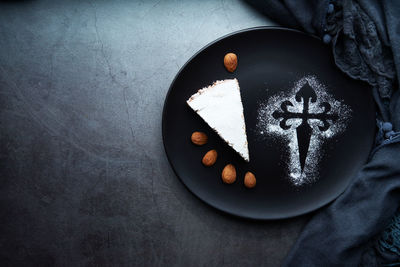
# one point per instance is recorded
(267, 125)
(221, 107)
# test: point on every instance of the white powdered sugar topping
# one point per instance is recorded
(220, 105)
(269, 126)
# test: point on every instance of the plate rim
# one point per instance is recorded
(226, 212)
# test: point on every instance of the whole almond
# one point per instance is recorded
(210, 158)
(199, 138)
(249, 180)
(229, 174)
(230, 62)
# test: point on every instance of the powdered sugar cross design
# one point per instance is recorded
(302, 119)
(304, 131)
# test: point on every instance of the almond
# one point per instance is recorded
(229, 174)
(230, 62)
(199, 138)
(249, 180)
(210, 158)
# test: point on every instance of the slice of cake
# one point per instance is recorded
(220, 105)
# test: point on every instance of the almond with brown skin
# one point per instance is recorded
(199, 138)
(229, 174)
(249, 180)
(210, 158)
(230, 62)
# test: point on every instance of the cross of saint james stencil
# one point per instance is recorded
(306, 95)
(303, 118)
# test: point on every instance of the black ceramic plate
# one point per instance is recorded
(271, 60)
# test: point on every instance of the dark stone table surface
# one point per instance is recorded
(84, 179)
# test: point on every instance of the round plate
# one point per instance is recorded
(270, 61)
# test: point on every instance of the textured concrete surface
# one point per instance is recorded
(84, 180)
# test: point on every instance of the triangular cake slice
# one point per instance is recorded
(220, 106)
